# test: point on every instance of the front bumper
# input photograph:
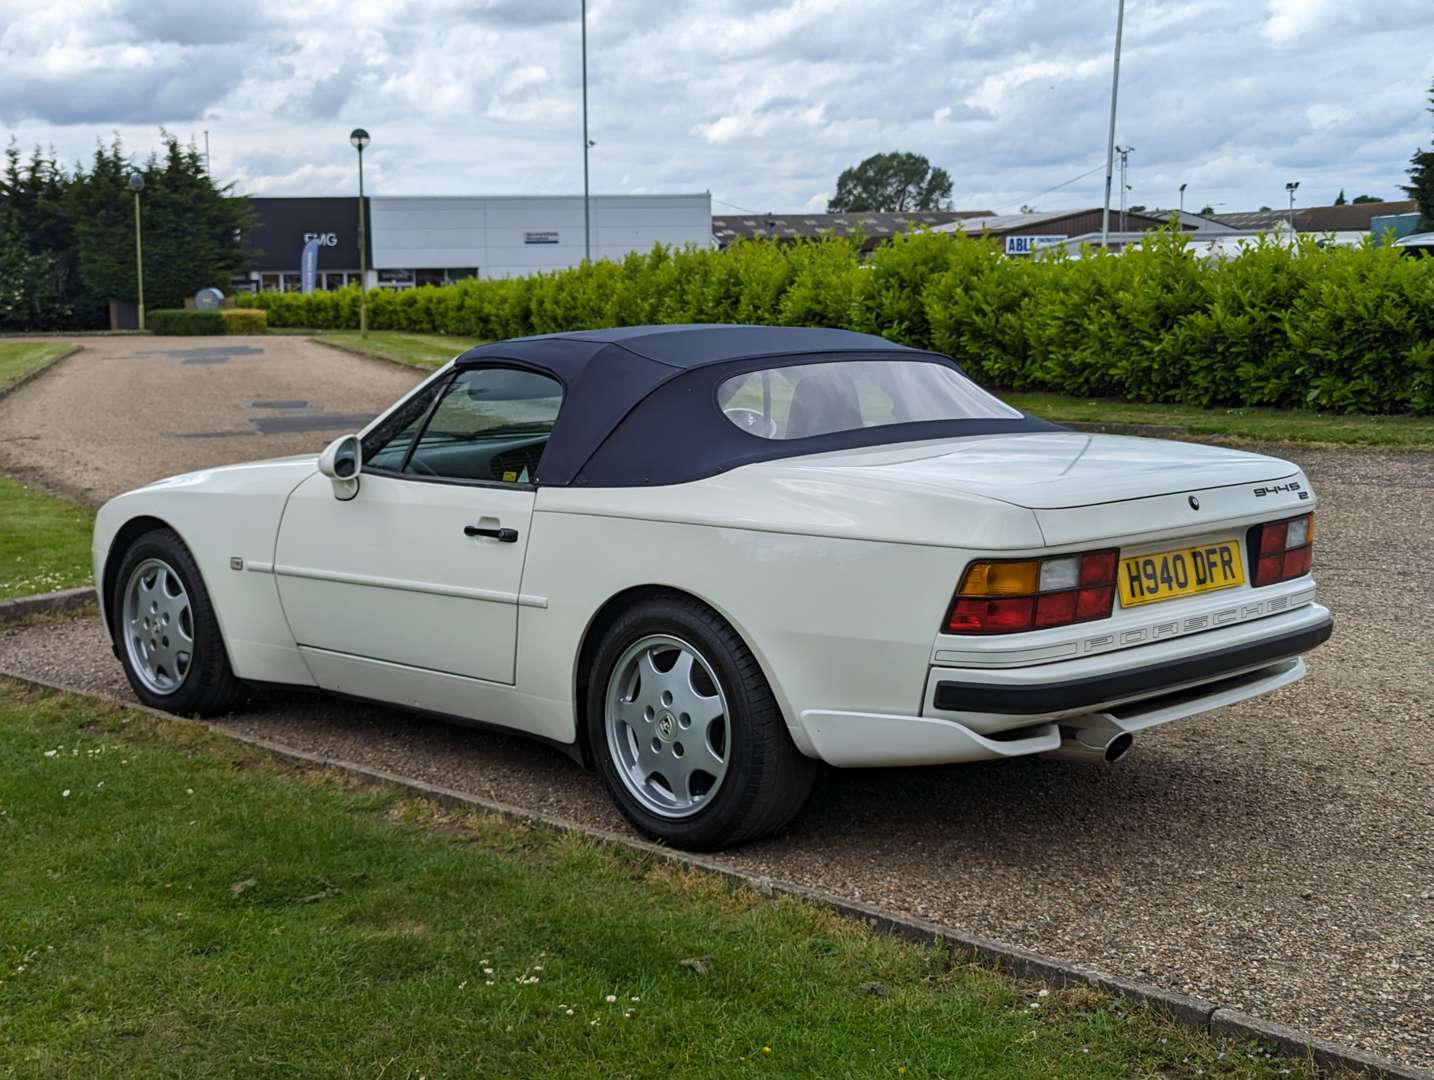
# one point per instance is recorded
(985, 714)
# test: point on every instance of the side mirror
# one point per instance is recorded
(341, 462)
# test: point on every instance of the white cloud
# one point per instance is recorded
(763, 102)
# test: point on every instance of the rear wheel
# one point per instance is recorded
(164, 625)
(686, 733)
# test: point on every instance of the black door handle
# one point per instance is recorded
(506, 536)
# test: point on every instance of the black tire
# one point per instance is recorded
(767, 779)
(208, 686)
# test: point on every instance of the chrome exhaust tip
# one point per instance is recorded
(1094, 744)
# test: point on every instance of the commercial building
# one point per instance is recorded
(431, 240)
(1349, 223)
(1027, 234)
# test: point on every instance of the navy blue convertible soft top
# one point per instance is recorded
(640, 402)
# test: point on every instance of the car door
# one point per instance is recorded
(422, 567)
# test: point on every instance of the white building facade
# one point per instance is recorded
(432, 240)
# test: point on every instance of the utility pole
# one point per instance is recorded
(1110, 138)
(207, 170)
(587, 145)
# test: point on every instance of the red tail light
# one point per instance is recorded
(1010, 595)
(1280, 550)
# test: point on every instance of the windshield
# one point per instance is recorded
(802, 400)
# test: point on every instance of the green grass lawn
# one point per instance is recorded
(19, 358)
(1268, 425)
(176, 904)
(44, 541)
(419, 350)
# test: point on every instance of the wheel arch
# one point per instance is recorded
(608, 613)
(124, 536)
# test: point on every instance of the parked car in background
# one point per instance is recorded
(705, 559)
(1420, 245)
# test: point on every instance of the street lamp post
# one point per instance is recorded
(1292, 187)
(1182, 197)
(359, 138)
(1124, 152)
(136, 184)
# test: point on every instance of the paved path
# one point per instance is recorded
(128, 410)
(1276, 857)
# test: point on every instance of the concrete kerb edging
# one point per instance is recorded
(30, 376)
(50, 603)
(351, 351)
(1185, 1010)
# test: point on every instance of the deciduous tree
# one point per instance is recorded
(894, 181)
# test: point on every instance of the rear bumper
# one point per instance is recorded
(1063, 695)
(982, 715)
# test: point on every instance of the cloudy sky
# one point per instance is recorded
(762, 103)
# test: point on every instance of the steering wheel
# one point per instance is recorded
(418, 465)
(753, 421)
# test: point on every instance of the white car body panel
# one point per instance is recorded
(221, 514)
(837, 569)
(391, 576)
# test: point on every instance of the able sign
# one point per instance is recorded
(1029, 245)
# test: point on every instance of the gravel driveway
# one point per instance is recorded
(1275, 857)
(128, 410)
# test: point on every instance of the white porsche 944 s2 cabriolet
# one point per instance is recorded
(705, 558)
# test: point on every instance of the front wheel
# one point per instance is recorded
(164, 625)
(686, 733)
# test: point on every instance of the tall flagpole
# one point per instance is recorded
(1110, 138)
(587, 202)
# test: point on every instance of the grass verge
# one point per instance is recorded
(178, 904)
(19, 358)
(426, 351)
(1258, 425)
(44, 541)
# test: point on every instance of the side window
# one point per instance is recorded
(385, 446)
(491, 425)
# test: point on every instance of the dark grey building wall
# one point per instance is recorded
(286, 224)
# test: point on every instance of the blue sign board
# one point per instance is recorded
(1029, 245)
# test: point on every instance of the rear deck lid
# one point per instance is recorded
(1057, 470)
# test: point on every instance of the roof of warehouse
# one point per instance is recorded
(1347, 217)
(730, 227)
(997, 223)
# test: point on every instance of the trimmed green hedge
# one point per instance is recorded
(236, 320)
(183, 321)
(1346, 329)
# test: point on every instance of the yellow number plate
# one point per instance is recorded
(1164, 575)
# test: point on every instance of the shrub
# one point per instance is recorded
(244, 320)
(1343, 329)
(183, 321)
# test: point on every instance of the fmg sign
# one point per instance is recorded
(1029, 245)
